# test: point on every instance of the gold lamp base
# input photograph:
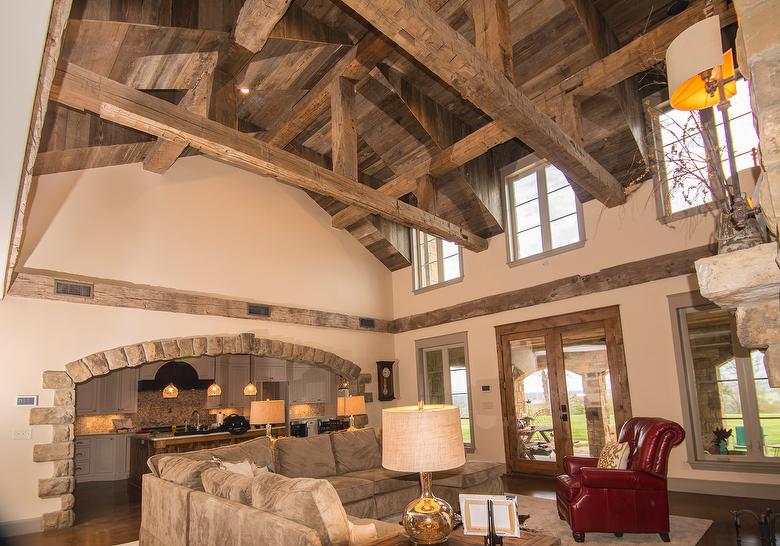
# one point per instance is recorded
(428, 519)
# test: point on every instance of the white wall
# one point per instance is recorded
(23, 27)
(614, 236)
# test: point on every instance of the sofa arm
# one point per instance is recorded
(573, 465)
(608, 478)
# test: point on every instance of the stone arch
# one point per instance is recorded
(62, 415)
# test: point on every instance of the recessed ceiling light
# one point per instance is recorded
(244, 90)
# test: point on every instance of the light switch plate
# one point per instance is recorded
(22, 434)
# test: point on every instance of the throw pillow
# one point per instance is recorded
(308, 457)
(228, 485)
(356, 450)
(243, 468)
(361, 534)
(183, 471)
(614, 456)
(310, 502)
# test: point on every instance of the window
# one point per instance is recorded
(733, 412)
(443, 377)
(684, 163)
(544, 216)
(436, 261)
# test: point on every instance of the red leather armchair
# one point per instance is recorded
(634, 500)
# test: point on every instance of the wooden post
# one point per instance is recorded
(342, 101)
(493, 35)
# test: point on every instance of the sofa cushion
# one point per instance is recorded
(386, 481)
(311, 502)
(309, 457)
(351, 489)
(469, 475)
(228, 485)
(184, 471)
(356, 450)
(257, 451)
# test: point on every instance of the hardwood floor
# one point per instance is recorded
(109, 513)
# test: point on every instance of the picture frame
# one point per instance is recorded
(474, 511)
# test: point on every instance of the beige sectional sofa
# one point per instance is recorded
(186, 501)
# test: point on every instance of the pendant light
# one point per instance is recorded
(250, 389)
(214, 389)
(170, 391)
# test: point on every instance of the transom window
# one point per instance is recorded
(544, 215)
(436, 261)
(693, 145)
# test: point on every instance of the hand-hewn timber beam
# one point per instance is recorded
(342, 126)
(431, 41)
(76, 159)
(256, 21)
(82, 89)
(619, 276)
(492, 33)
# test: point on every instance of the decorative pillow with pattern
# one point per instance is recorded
(614, 456)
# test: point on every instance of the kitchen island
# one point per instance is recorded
(143, 446)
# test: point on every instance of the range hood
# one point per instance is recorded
(181, 374)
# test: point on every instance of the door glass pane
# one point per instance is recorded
(768, 406)
(717, 402)
(434, 377)
(532, 400)
(589, 392)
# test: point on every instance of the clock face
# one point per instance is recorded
(386, 373)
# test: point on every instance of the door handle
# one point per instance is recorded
(564, 416)
(564, 408)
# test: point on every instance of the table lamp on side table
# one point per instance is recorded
(424, 439)
(266, 412)
(351, 406)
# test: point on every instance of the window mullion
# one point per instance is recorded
(750, 413)
(544, 209)
(712, 152)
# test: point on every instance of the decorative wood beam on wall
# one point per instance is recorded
(431, 41)
(82, 89)
(41, 285)
(604, 42)
(620, 276)
(58, 20)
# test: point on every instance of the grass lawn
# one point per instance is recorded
(579, 428)
(770, 424)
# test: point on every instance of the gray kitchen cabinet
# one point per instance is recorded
(238, 377)
(127, 395)
(102, 457)
(87, 397)
(115, 392)
(310, 384)
(270, 369)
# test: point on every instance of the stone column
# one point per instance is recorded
(596, 410)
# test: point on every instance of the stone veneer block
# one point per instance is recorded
(135, 355)
(354, 371)
(231, 344)
(63, 468)
(247, 340)
(58, 520)
(78, 371)
(62, 433)
(61, 415)
(758, 324)
(43, 453)
(65, 397)
(54, 487)
(761, 20)
(744, 276)
(116, 358)
(153, 351)
(186, 347)
(298, 352)
(772, 363)
(57, 380)
(213, 345)
(170, 349)
(199, 345)
(67, 501)
(287, 350)
(308, 354)
(277, 348)
(97, 364)
(319, 356)
(261, 347)
(364, 379)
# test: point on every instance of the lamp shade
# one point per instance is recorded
(351, 405)
(422, 440)
(263, 412)
(698, 49)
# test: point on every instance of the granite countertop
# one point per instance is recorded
(165, 436)
(113, 433)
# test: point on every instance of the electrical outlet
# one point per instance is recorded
(22, 434)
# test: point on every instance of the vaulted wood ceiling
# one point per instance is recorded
(314, 69)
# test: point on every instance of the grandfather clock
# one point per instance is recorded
(384, 374)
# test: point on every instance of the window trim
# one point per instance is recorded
(416, 264)
(443, 342)
(687, 386)
(529, 163)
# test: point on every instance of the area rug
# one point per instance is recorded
(544, 519)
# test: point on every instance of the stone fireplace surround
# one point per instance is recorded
(61, 416)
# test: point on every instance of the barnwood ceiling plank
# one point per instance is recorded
(76, 159)
(428, 38)
(493, 35)
(256, 21)
(82, 89)
(604, 42)
(298, 26)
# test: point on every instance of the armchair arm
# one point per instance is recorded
(573, 465)
(608, 478)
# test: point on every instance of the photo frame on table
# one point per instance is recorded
(474, 511)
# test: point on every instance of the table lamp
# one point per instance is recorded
(424, 439)
(266, 412)
(351, 406)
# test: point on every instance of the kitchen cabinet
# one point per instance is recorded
(270, 369)
(238, 377)
(116, 392)
(312, 385)
(102, 457)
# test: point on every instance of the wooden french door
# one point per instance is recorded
(564, 388)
